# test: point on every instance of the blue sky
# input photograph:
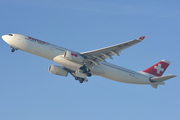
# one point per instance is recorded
(29, 92)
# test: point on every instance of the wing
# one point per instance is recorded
(96, 56)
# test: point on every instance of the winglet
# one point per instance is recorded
(142, 38)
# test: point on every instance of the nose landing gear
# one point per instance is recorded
(13, 50)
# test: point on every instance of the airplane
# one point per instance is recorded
(86, 64)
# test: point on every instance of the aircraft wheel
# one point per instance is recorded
(13, 50)
(85, 71)
(89, 74)
(81, 80)
(83, 67)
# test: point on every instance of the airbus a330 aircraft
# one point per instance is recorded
(86, 64)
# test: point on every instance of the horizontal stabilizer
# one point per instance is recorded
(161, 79)
(154, 85)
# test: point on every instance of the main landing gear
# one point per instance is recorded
(81, 80)
(86, 70)
(81, 74)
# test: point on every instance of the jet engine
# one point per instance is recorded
(73, 57)
(57, 70)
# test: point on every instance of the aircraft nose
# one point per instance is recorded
(4, 37)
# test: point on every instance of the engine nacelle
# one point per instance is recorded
(73, 57)
(57, 70)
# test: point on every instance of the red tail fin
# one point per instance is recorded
(158, 69)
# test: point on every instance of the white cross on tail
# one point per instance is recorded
(159, 68)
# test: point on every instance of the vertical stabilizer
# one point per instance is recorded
(158, 69)
(155, 73)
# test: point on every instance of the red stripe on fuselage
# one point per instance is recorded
(75, 55)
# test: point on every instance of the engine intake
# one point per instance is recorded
(57, 70)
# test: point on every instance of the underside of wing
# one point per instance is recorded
(96, 56)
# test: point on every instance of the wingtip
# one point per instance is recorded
(174, 76)
(142, 38)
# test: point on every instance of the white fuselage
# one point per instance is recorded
(50, 51)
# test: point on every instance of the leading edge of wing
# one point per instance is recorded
(120, 46)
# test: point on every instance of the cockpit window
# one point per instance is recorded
(10, 34)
